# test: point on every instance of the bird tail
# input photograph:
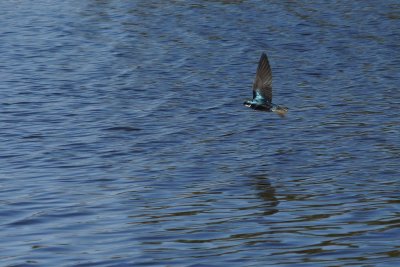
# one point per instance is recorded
(280, 110)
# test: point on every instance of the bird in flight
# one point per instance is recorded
(262, 90)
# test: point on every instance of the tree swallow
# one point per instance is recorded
(262, 90)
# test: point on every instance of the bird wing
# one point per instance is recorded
(263, 81)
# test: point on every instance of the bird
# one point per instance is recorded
(262, 90)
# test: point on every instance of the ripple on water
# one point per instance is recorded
(124, 140)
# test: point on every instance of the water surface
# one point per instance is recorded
(124, 141)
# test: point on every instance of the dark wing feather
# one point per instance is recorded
(263, 81)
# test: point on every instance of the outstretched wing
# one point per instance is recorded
(263, 81)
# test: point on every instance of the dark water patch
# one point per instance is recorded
(123, 129)
(33, 136)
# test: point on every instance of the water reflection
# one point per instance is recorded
(266, 192)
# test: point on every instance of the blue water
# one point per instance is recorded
(124, 141)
